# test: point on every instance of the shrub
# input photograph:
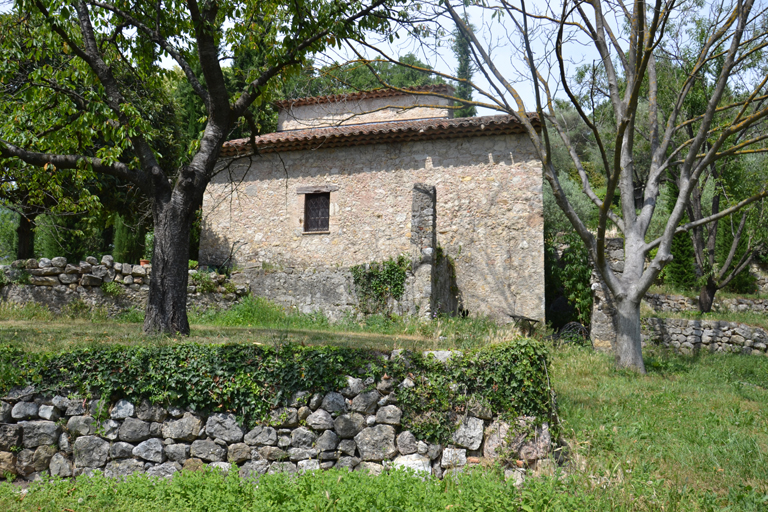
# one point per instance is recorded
(112, 289)
(567, 276)
(204, 282)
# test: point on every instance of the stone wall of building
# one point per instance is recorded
(689, 336)
(358, 428)
(489, 214)
(57, 284)
(358, 111)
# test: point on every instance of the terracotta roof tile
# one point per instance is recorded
(377, 133)
(363, 95)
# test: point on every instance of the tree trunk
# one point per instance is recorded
(707, 296)
(629, 353)
(167, 302)
(25, 233)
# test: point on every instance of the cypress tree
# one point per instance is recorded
(681, 271)
(461, 49)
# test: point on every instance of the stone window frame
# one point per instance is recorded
(309, 190)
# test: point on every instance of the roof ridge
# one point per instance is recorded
(377, 133)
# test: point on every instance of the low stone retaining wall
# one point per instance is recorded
(57, 284)
(688, 336)
(677, 303)
(357, 427)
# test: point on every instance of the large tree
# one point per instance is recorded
(110, 39)
(628, 43)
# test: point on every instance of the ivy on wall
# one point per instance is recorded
(377, 283)
(251, 380)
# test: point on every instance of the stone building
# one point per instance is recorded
(360, 178)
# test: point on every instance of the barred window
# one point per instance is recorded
(316, 212)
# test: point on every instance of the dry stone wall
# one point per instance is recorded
(679, 303)
(603, 330)
(689, 336)
(57, 283)
(357, 428)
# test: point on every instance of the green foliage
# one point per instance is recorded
(568, 276)
(250, 379)
(204, 282)
(377, 283)
(680, 273)
(71, 236)
(194, 234)
(358, 76)
(23, 277)
(149, 245)
(129, 241)
(465, 69)
(112, 289)
(744, 282)
(8, 222)
(509, 377)
(555, 220)
(332, 491)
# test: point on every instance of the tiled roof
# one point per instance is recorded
(364, 95)
(378, 133)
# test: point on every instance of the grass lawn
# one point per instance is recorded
(693, 429)
(63, 335)
(35, 328)
(690, 435)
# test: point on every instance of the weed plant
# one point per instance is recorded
(27, 311)
(338, 491)
(341, 491)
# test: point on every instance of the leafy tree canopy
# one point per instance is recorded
(89, 100)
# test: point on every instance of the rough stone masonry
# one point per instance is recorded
(488, 214)
(57, 284)
(357, 427)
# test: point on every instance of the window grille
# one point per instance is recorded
(316, 212)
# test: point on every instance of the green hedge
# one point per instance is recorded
(250, 379)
